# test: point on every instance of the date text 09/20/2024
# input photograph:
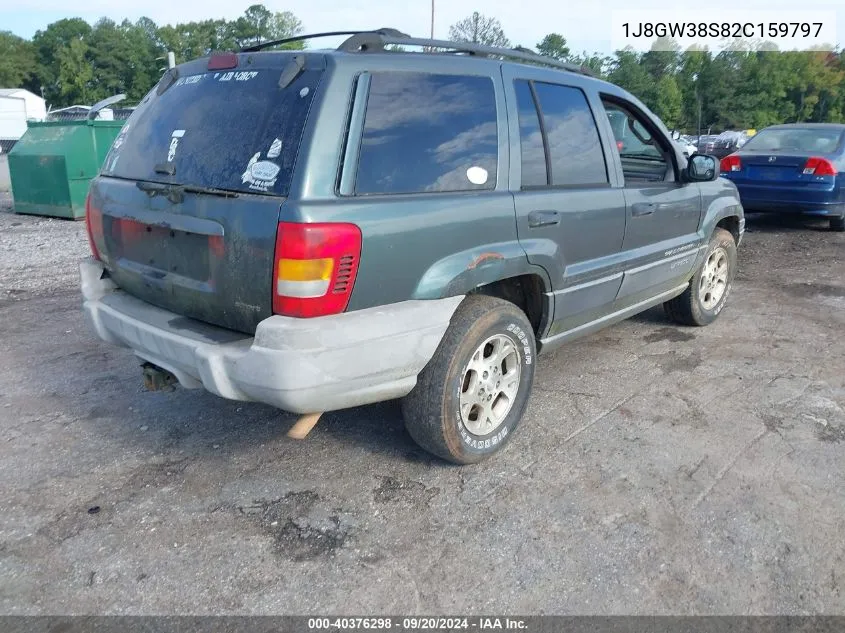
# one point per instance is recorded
(417, 624)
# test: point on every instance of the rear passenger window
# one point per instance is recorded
(530, 138)
(425, 132)
(575, 150)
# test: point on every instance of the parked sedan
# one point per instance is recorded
(794, 168)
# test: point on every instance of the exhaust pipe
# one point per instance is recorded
(158, 379)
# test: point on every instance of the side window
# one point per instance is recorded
(425, 132)
(530, 138)
(641, 154)
(572, 138)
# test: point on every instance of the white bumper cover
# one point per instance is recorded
(299, 365)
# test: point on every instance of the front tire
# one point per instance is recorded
(710, 286)
(837, 224)
(471, 396)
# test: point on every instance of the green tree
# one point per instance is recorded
(17, 61)
(627, 72)
(595, 62)
(554, 46)
(667, 102)
(259, 24)
(75, 73)
(479, 29)
(48, 45)
(191, 40)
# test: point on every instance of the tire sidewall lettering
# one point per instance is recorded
(490, 443)
(517, 331)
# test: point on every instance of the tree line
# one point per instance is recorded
(746, 86)
(749, 85)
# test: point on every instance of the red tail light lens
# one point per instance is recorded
(731, 163)
(315, 268)
(819, 167)
(620, 145)
(94, 224)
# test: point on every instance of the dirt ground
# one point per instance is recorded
(658, 470)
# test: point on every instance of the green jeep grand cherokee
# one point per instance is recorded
(321, 230)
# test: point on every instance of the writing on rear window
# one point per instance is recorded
(188, 81)
(238, 76)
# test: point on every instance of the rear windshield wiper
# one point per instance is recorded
(176, 193)
(210, 191)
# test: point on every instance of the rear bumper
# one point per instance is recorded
(816, 201)
(299, 365)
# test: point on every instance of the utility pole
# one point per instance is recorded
(432, 19)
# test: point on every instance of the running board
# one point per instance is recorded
(599, 324)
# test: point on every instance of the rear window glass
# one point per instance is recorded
(822, 141)
(234, 130)
(427, 132)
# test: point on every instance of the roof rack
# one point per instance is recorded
(312, 36)
(370, 41)
(377, 40)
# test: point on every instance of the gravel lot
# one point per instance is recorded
(658, 470)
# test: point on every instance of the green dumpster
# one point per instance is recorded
(52, 164)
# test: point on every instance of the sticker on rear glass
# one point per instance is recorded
(174, 144)
(477, 175)
(187, 81)
(238, 76)
(275, 148)
(260, 174)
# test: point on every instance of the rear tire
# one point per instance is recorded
(837, 224)
(471, 396)
(710, 286)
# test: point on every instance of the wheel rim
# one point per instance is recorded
(489, 384)
(714, 279)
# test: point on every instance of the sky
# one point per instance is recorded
(586, 24)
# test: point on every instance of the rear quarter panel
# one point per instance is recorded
(415, 246)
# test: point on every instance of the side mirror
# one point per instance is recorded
(675, 135)
(702, 168)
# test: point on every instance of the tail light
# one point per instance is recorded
(620, 145)
(731, 163)
(816, 166)
(315, 268)
(94, 224)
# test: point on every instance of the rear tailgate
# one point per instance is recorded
(206, 257)
(190, 193)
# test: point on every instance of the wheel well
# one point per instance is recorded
(730, 224)
(527, 292)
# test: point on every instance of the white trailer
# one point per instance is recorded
(17, 106)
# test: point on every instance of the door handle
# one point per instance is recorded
(543, 218)
(642, 208)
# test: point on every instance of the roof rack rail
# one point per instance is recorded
(312, 36)
(374, 41)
